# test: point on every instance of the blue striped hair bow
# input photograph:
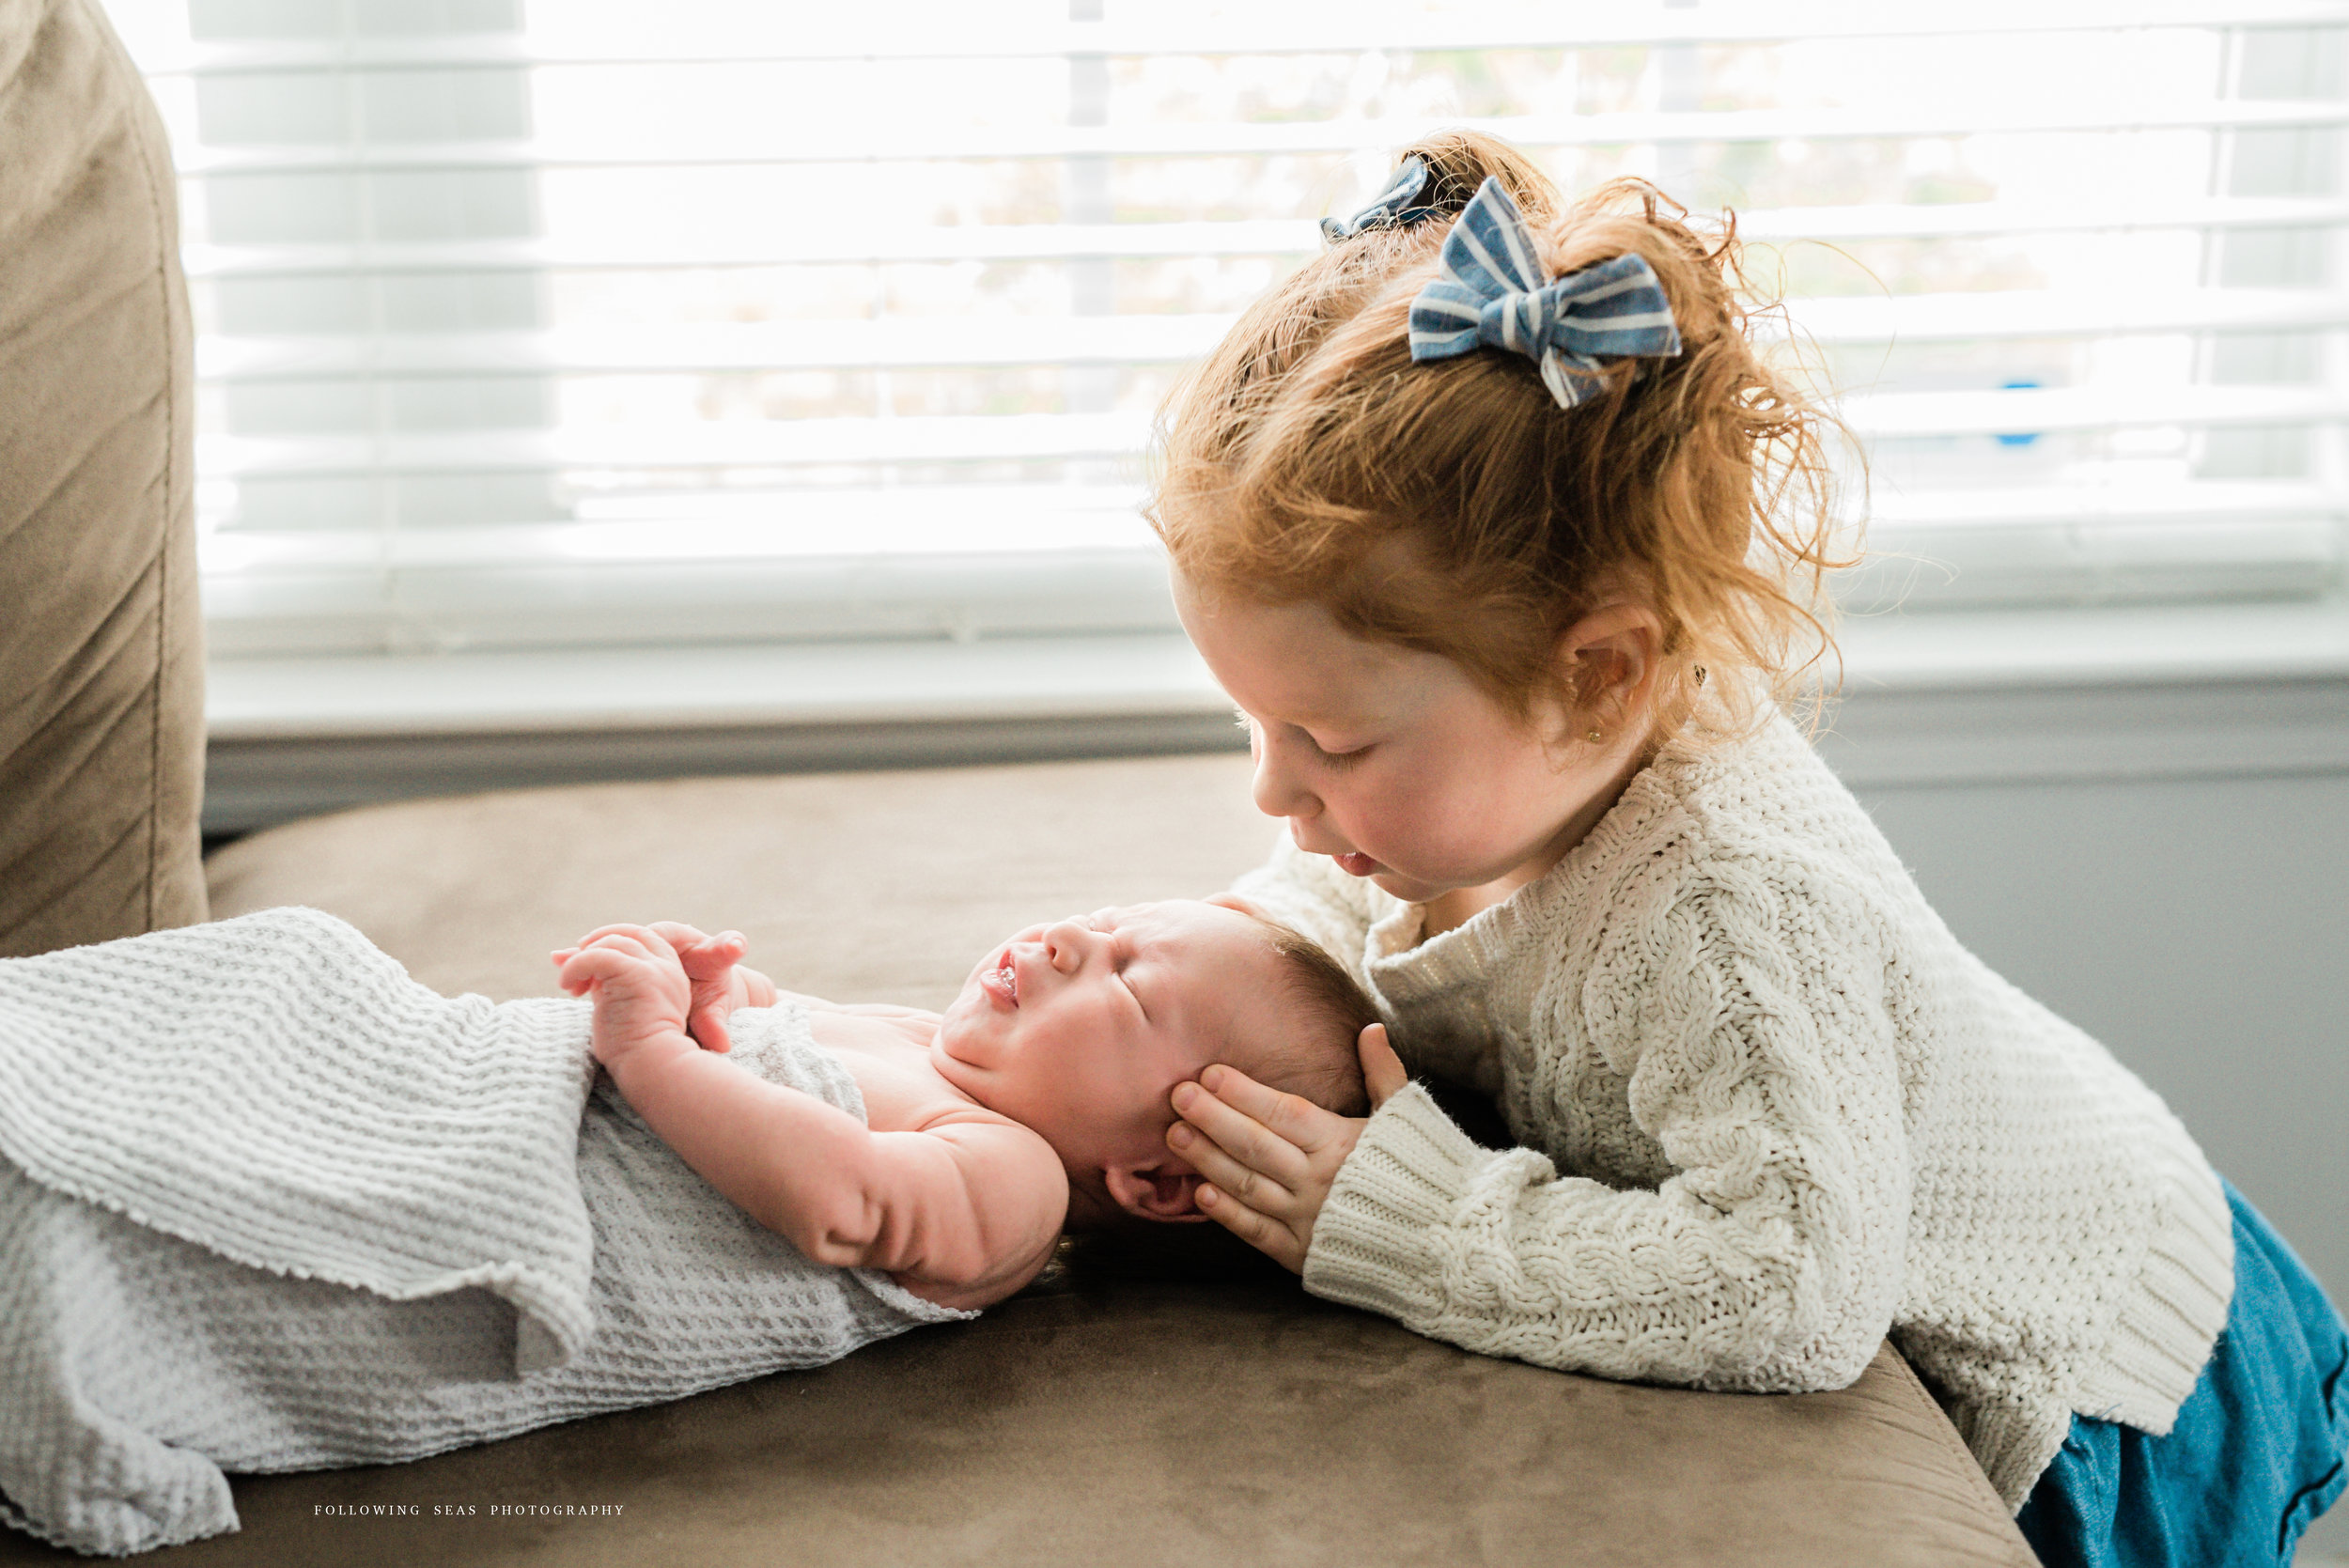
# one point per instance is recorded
(1489, 292)
(1392, 209)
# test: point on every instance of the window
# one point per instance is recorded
(576, 325)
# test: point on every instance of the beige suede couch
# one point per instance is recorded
(1192, 1411)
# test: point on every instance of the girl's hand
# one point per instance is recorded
(1270, 1157)
(641, 992)
(713, 967)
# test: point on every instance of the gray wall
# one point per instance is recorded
(2200, 927)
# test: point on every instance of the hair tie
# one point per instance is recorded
(1393, 209)
(1489, 292)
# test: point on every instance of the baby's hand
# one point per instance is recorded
(641, 991)
(721, 982)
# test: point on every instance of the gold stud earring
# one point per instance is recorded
(1594, 734)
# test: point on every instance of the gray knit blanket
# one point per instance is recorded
(268, 1204)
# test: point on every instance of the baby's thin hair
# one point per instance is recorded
(1323, 1065)
(1454, 507)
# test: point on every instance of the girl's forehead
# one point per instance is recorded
(1294, 663)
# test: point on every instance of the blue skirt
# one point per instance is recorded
(2255, 1455)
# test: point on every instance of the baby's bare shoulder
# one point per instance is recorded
(887, 1052)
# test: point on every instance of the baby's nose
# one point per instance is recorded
(1064, 943)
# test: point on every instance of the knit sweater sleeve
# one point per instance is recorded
(1745, 1012)
(1310, 894)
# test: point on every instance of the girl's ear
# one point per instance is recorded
(1168, 1192)
(1608, 658)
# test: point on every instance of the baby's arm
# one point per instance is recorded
(962, 1211)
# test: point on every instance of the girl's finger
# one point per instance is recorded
(1383, 1072)
(1234, 901)
(1264, 1234)
(1253, 1188)
(1292, 1118)
(1242, 1137)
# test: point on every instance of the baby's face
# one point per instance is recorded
(1082, 1028)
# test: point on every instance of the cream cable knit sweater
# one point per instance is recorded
(1797, 1115)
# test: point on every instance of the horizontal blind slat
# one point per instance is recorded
(1270, 138)
(804, 524)
(961, 342)
(1617, 26)
(918, 438)
(1148, 240)
(2014, 411)
(547, 602)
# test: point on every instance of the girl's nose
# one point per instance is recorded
(1277, 789)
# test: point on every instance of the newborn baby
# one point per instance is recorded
(1038, 1102)
(268, 1204)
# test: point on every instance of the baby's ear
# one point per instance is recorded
(1234, 901)
(1165, 1192)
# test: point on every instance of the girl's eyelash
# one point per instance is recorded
(1333, 759)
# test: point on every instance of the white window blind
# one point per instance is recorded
(576, 325)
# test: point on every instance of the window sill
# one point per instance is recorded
(2137, 692)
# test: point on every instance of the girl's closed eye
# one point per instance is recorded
(1338, 755)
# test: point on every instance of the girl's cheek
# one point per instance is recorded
(1398, 816)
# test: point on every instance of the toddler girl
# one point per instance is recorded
(1504, 537)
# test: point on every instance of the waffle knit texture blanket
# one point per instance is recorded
(1771, 1110)
(268, 1204)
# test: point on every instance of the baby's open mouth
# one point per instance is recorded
(1003, 981)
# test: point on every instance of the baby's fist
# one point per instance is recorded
(641, 990)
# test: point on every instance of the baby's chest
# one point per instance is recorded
(889, 1062)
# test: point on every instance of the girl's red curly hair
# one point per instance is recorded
(1452, 506)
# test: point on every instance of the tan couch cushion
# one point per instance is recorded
(100, 664)
(1124, 1421)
